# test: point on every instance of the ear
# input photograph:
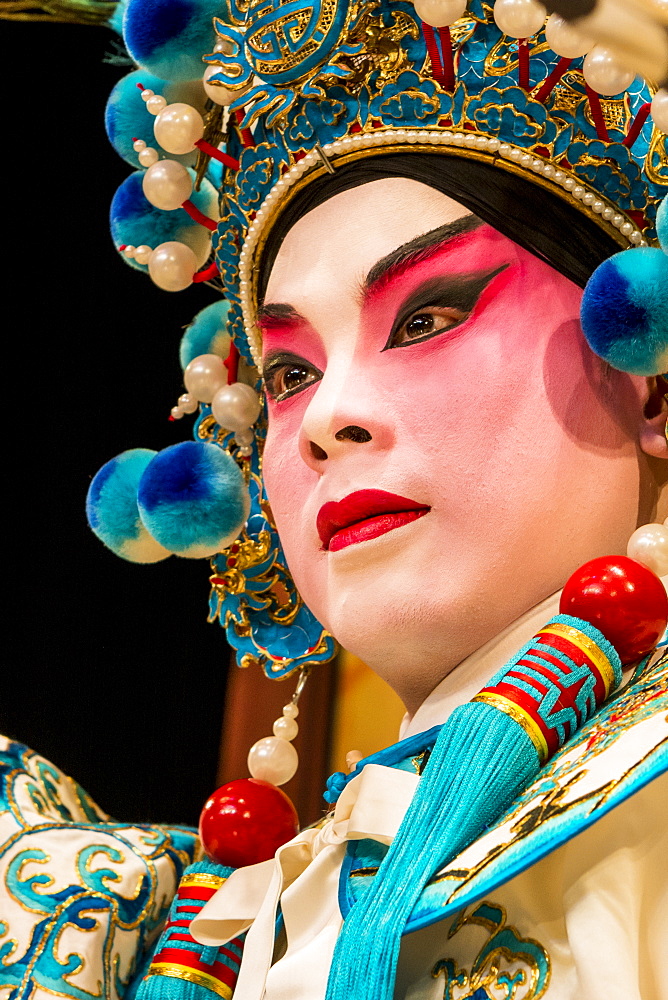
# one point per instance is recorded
(652, 435)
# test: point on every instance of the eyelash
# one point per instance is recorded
(281, 367)
(462, 300)
(468, 296)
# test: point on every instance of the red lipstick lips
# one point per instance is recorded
(364, 515)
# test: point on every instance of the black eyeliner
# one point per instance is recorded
(460, 291)
(279, 359)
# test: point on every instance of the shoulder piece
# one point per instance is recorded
(623, 748)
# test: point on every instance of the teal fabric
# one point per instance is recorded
(479, 763)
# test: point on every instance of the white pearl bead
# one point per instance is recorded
(155, 104)
(549, 171)
(245, 451)
(167, 184)
(519, 18)
(272, 759)
(626, 228)
(635, 237)
(353, 757)
(244, 437)
(146, 95)
(569, 183)
(172, 265)
(223, 45)
(649, 545)
(564, 39)
(440, 13)
(607, 213)
(204, 376)
(236, 406)
(130, 251)
(597, 206)
(617, 220)
(218, 92)
(604, 74)
(176, 412)
(188, 403)
(138, 145)
(504, 149)
(287, 729)
(178, 127)
(578, 192)
(290, 711)
(660, 110)
(588, 198)
(142, 253)
(149, 156)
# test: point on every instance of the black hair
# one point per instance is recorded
(532, 216)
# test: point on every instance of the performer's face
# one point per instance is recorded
(459, 364)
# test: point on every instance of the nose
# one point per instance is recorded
(344, 417)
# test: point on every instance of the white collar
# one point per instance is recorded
(462, 683)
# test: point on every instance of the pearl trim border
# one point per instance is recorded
(502, 153)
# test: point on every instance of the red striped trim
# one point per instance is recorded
(196, 892)
(184, 908)
(577, 655)
(528, 703)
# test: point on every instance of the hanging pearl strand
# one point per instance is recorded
(604, 75)
(235, 406)
(273, 758)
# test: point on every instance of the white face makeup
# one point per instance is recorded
(413, 351)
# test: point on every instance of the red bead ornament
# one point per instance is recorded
(246, 821)
(623, 599)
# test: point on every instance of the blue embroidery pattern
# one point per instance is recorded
(84, 897)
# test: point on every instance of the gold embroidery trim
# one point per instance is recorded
(589, 648)
(521, 716)
(199, 978)
(203, 880)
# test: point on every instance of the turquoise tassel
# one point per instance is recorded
(181, 968)
(482, 760)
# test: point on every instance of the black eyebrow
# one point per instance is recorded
(277, 313)
(417, 250)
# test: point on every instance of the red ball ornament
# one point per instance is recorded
(246, 821)
(623, 599)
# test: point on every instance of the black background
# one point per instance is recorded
(109, 669)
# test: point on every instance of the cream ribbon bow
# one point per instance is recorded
(371, 806)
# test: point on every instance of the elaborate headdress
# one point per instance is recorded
(296, 91)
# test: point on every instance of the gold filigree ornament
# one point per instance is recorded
(551, 175)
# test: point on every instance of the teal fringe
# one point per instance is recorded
(480, 762)
(158, 987)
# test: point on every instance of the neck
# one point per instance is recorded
(462, 683)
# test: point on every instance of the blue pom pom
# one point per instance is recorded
(126, 117)
(112, 512)
(625, 311)
(193, 499)
(170, 37)
(206, 334)
(662, 224)
(133, 220)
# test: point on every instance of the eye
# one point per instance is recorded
(285, 377)
(427, 322)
